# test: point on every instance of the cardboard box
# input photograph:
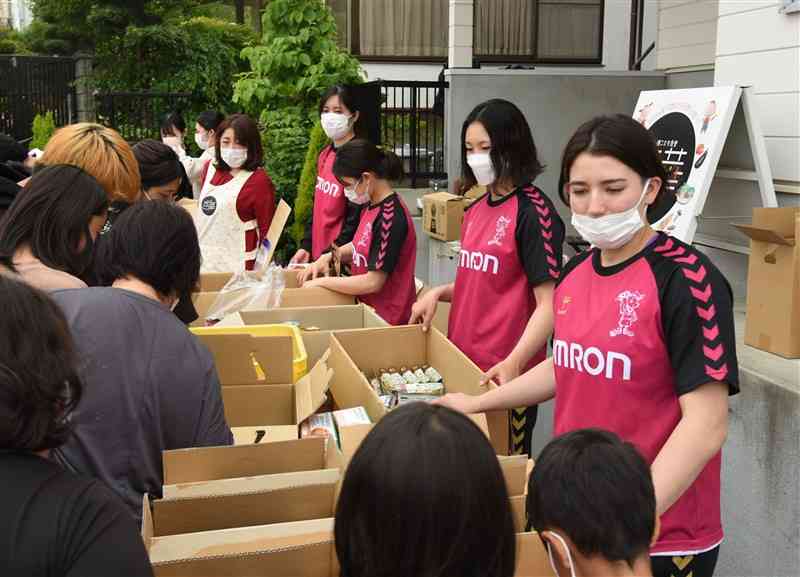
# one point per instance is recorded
(532, 558)
(369, 350)
(245, 502)
(773, 281)
(211, 463)
(442, 215)
(290, 298)
(298, 549)
(301, 549)
(316, 323)
(519, 513)
(264, 406)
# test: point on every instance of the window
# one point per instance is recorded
(568, 31)
(551, 31)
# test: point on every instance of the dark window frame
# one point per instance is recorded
(533, 59)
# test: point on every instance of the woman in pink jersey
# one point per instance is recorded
(333, 219)
(511, 241)
(384, 250)
(644, 341)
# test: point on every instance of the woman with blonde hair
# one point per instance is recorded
(99, 151)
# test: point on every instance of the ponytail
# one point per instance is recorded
(359, 156)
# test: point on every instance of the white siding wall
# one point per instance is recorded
(687, 33)
(759, 46)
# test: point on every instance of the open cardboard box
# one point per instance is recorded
(210, 463)
(259, 408)
(354, 352)
(290, 298)
(300, 549)
(316, 323)
(234, 354)
(516, 468)
(297, 549)
(773, 281)
(245, 502)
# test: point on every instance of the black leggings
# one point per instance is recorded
(701, 565)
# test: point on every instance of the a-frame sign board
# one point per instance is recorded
(691, 127)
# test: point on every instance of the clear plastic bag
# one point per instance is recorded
(257, 289)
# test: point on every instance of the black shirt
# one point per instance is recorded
(57, 524)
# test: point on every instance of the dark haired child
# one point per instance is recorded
(433, 473)
(591, 499)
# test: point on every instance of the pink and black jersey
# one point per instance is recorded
(334, 218)
(386, 241)
(629, 341)
(508, 246)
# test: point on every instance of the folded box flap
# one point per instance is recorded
(765, 234)
(147, 523)
(311, 391)
(351, 437)
(255, 484)
(231, 354)
(242, 541)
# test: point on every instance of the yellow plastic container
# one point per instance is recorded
(299, 355)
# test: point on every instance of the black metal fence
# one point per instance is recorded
(137, 115)
(412, 125)
(31, 85)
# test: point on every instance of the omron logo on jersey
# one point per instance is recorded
(591, 360)
(479, 261)
(328, 187)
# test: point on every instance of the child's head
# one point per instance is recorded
(424, 495)
(591, 499)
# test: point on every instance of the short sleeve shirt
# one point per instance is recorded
(629, 340)
(150, 386)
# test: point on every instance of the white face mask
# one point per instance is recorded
(482, 167)
(569, 555)
(201, 140)
(353, 196)
(335, 125)
(611, 230)
(234, 157)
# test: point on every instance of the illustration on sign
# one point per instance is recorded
(690, 128)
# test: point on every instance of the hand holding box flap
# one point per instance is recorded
(279, 220)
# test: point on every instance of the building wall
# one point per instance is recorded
(687, 32)
(759, 46)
